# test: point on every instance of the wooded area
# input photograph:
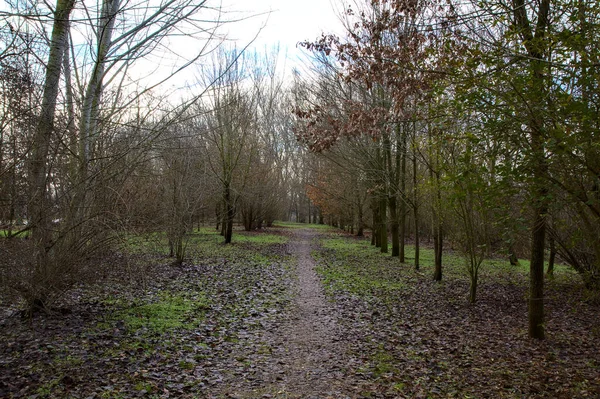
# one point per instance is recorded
(468, 128)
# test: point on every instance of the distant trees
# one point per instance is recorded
(19, 93)
(247, 148)
(379, 65)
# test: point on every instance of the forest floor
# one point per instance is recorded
(299, 312)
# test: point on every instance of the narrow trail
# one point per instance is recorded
(307, 356)
(312, 353)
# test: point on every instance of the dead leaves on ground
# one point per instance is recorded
(407, 338)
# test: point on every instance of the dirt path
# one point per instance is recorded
(307, 355)
(312, 354)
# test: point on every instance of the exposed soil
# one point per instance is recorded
(307, 356)
(313, 352)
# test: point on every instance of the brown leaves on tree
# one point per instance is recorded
(391, 50)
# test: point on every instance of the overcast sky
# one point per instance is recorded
(289, 22)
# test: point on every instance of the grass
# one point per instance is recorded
(205, 241)
(168, 313)
(406, 323)
(354, 266)
(14, 233)
(152, 315)
(357, 280)
(296, 225)
(351, 264)
(148, 243)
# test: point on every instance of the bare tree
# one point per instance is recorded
(73, 170)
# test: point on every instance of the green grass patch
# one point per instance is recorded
(352, 264)
(296, 225)
(169, 312)
(260, 238)
(344, 277)
(147, 243)
(206, 243)
(13, 233)
(349, 246)
(208, 234)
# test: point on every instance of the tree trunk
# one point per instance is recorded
(536, 45)
(552, 257)
(536, 276)
(229, 215)
(39, 213)
(229, 231)
(473, 288)
(538, 241)
(88, 126)
(438, 236)
(402, 238)
(438, 243)
(383, 234)
(416, 210)
(512, 255)
(360, 222)
(392, 202)
(376, 237)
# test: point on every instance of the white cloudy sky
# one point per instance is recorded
(289, 22)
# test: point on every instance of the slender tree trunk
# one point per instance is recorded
(438, 243)
(229, 231)
(538, 242)
(438, 234)
(536, 275)
(376, 238)
(383, 224)
(536, 44)
(416, 209)
(403, 198)
(223, 220)
(88, 129)
(473, 287)
(39, 212)
(392, 202)
(13, 190)
(512, 255)
(552, 257)
(360, 222)
(229, 215)
(390, 182)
